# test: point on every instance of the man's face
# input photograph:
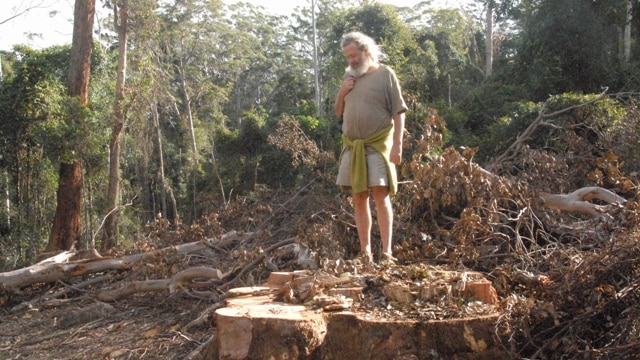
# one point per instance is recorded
(358, 60)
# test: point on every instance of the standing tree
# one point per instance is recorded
(66, 224)
(488, 35)
(120, 21)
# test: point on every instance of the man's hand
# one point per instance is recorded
(395, 157)
(347, 85)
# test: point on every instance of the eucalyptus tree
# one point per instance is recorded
(272, 77)
(121, 25)
(65, 231)
(312, 33)
(127, 17)
(270, 71)
(444, 67)
(190, 68)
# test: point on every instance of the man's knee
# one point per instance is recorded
(380, 192)
(360, 198)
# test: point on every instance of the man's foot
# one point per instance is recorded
(364, 259)
(387, 259)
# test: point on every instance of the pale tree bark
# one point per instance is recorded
(66, 224)
(69, 264)
(488, 34)
(627, 32)
(186, 98)
(316, 66)
(120, 20)
(580, 200)
(161, 178)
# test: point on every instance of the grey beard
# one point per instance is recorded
(360, 70)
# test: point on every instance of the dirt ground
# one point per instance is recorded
(146, 326)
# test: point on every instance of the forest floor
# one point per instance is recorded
(146, 326)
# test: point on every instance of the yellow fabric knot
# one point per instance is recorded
(382, 141)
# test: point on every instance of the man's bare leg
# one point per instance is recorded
(384, 212)
(363, 220)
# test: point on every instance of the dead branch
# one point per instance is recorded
(204, 318)
(528, 132)
(60, 268)
(132, 288)
(579, 200)
(255, 262)
(183, 279)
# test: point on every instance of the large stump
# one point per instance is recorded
(255, 325)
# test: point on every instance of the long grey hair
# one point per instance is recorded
(364, 43)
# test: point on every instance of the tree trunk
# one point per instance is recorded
(161, 179)
(121, 19)
(316, 66)
(186, 99)
(66, 223)
(579, 200)
(488, 33)
(627, 32)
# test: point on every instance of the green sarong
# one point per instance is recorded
(382, 141)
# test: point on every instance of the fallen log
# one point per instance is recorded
(60, 267)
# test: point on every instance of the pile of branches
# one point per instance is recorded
(567, 272)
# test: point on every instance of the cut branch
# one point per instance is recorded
(528, 132)
(579, 200)
(60, 268)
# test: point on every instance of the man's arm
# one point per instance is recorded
(398, 132)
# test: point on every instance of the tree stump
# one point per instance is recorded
(255, 326)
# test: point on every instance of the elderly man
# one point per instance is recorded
(371, 106)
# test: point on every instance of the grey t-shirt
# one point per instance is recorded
(372, 103)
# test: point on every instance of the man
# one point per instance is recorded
(371, 106)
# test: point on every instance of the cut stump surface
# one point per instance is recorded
(253, 325)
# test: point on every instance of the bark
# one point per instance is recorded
(186, 98)
(488, 33)
(627, 32)
(66, 224)
(65, 232)
(61, 266)
(579, 200)
(184, 279)
(163, 193)
(121, 19)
